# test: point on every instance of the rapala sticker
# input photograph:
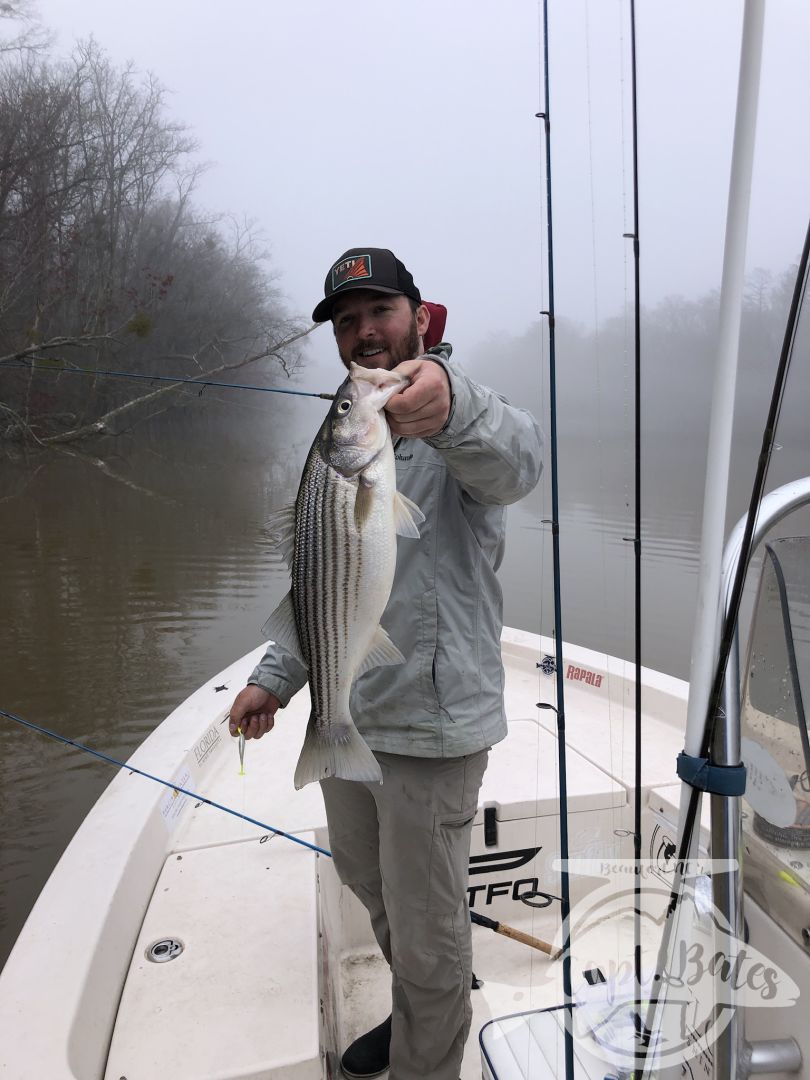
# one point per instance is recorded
(353, 269)
(581, 674)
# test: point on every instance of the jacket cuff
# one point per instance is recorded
(279, 673)
(282, 690)
(460, 406)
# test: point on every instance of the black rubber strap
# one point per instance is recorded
(716, 779)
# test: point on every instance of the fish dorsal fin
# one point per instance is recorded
(407, 516)
(281, 526)
(282, 629)
(363, 501)
(382, 651)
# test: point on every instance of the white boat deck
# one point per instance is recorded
(236, 908)
(279, 970)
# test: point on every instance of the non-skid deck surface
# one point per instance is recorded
(242, 998)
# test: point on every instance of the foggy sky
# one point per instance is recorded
(411, 126)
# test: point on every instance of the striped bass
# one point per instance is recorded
(339, 540)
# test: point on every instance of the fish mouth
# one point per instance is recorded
(357, 437)
(386, 382)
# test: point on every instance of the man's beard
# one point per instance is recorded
(407, 348)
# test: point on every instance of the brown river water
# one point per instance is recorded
(134, 569)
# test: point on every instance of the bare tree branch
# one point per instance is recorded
(101, 426)
(80, 341)
(91, 459)
(23, 425)
(103, 256)
(33, 38)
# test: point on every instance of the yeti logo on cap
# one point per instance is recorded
(358, 266)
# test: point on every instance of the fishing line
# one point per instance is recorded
(634, 236)
(627, 452)
(614, 589)
(732, 612)
(501, 928)
(158, 780)
(565, 905)
(539, 769)
(604, 516)
(59, 367)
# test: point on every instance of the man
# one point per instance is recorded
(402, 846)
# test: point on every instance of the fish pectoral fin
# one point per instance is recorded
(382, 651)
(363, 501)
(281, 526)
(346, 756)
(407, 516)
(282, 629)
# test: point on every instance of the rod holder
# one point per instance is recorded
(770, 1056)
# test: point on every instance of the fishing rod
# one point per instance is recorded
(60, 367)
(515, 935)
(634, 236)
(159, 780)
(479, 920)
(565, 901)
(732, 608)
(438, 318)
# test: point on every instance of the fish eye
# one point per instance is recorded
(344, 406)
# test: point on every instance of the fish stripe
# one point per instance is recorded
(325, 596)
(320, 598)
(348, 568)
(333, 606)
(359, 570)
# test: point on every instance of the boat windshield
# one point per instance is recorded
(775, 743)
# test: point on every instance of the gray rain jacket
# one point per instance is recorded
(445, 608)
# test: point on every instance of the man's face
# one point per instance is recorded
(377, 330)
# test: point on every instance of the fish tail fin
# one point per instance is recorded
(347, 757)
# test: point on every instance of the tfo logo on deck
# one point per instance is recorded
(688, 992)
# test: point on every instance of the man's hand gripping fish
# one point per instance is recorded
(339, 540)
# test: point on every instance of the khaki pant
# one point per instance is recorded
(403, 848)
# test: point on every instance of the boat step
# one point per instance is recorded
(239, 997)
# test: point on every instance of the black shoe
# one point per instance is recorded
(368, 1055)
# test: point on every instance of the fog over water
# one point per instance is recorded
(412, 126)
